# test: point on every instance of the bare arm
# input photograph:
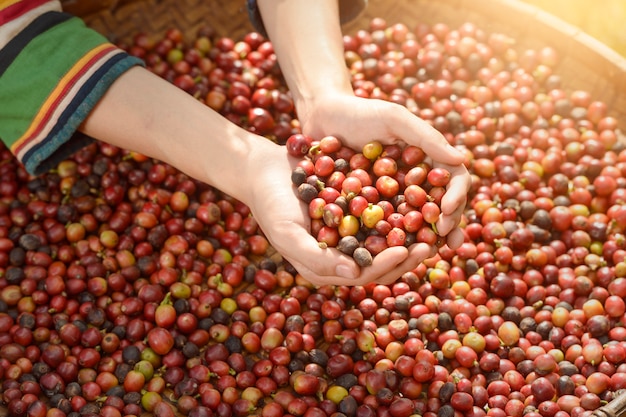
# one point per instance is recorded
(308, 41)
(143, 112)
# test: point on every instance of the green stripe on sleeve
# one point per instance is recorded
(36, 71)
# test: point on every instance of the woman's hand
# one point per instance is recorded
(358, 121)
(308, 41)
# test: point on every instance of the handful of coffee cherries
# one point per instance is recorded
(362, 202)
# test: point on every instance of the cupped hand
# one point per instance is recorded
(285, 221)
(358, 121)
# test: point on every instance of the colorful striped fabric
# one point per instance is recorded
(53, 71)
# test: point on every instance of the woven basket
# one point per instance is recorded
(586, 63)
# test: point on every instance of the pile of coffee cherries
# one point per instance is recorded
(129, 289)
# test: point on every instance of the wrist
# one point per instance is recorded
(308, 42)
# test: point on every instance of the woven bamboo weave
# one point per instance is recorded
(126, 18)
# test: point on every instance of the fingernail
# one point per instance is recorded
(344, 271)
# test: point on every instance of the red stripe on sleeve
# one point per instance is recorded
(18, 8)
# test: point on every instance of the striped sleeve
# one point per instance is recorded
(53, 71)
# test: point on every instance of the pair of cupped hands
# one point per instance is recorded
(356, 121)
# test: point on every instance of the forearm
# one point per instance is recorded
(308, 41)
(144, 113)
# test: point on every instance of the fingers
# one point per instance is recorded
(304, 252)
(388, 266)
(454, 200)
(415, 131)
(416, 255)
(455, 238)
(456, 190)
(447, 222)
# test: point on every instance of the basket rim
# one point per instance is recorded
(572, 43)
(526, 15)
(568, 29)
